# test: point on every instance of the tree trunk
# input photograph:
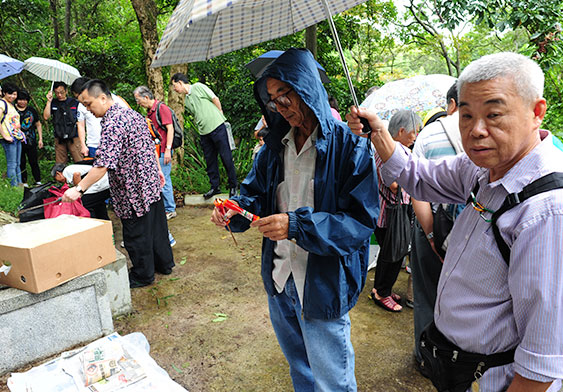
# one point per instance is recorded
(67, 20)
(311, 39)
(53, 4)
(147, 12)
(176, 102)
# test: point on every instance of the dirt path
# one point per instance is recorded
(240, 353)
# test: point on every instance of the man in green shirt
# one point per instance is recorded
(204, 105)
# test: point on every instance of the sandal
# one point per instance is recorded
(387, 303)
(396, 297)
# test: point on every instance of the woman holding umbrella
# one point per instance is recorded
(11, 135)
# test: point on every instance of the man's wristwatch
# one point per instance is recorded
(430, 236)
(79, 189)
(169, 147)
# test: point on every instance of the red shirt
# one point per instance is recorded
(165, 119)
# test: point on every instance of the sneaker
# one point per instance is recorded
(171, 214)
(25, 185)
(122, 244)
(172, 242)
(38, 183)
(408, 269)
(232, 192)
(211, 192)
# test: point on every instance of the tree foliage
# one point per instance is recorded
(381, 40)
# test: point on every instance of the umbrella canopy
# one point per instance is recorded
(202, 29)
(53, 70)
(419, 93)
(260, 63)
(9, 66)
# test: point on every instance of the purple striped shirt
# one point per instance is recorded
(484, 306)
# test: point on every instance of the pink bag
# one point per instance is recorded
(53, 210)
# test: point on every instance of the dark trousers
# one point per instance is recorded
(96, 204)
(146, 241)
(214, 143)
(30, 150)
(425, 267)
(385, 273)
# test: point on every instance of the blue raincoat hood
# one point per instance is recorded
(296, 67)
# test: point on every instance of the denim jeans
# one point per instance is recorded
(92, 152)
(13, 153)
(167, 191)
(319, 352)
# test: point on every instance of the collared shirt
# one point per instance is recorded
(199, 101)
(165, 119)
(297, 190)
(386, 194)
(483, 305)
(127, 151)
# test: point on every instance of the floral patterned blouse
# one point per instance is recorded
(127, 151)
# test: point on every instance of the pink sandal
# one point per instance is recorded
(387, 303)
(396, 297)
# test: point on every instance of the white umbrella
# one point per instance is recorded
(9, 66)
(53, 70)
(419, 93)
(202, 29)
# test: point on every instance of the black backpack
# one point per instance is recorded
(546, 183)
(178, 140)
(64, 121)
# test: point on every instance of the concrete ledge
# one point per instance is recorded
(35, 326)
(198, 200)
(117, 279)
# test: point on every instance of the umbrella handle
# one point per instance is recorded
(52, 84)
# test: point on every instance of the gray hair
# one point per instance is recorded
(526, 74)
(404, 119)
(143, 91)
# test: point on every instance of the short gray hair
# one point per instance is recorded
(143, 91)
(404, 119)
(526, 74)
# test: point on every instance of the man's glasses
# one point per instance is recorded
(480, 208)
(282, 100)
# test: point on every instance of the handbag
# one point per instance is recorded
(398, 236)
(74, 208)
(33, 197)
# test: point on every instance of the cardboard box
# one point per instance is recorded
(41, 267)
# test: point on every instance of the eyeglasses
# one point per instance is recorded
(282, 100)
(480, 208)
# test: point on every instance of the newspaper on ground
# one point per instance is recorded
(113, 363)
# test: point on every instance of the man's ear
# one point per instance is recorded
(540, 108)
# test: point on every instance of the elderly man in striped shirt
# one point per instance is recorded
(498, 315)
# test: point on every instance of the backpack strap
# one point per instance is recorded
(543, 184)
(158, 118)
(5, 111)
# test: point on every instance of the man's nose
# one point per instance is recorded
(479, 128)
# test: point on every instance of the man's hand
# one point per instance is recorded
(50, 95)
(167, 156)
(433, 246)
(84, 150)
(353, 118)
(40, 144)
(274, 227)
(71, 195)
(161, 178)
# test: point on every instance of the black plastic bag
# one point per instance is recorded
(398, 237)
(33, 197)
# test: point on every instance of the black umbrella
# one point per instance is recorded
(260, 63)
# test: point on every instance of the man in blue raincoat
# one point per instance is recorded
(312, 183)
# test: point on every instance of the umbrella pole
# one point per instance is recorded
(339, 48)
(367, 128)
(52, 84)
